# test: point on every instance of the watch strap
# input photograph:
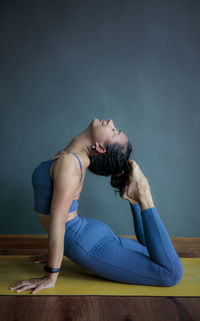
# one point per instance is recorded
(51, 270)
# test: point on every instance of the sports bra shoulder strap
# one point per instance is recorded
(80, 165)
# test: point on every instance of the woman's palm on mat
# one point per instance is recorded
(38, 258)
(34, 283)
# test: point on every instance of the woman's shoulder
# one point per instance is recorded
(84, 161)
(68, 157)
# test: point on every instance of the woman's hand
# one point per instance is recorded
(38, 258)
(36, 284)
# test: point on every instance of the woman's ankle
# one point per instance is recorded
(133, 201)
(146, 202)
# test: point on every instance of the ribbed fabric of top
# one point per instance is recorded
(43, 187)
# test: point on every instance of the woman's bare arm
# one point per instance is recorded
(66, 182)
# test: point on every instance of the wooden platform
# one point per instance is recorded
(94, 308)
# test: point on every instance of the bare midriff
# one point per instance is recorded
(45, 219)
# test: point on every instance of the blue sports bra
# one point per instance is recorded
(43, 187)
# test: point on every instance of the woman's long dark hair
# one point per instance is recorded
(111, 163)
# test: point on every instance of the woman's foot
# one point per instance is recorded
(124, 195)
(38, 258)
(137, 187)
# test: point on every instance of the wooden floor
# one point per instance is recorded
(94, 308)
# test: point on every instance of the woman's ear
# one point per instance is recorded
(100, 148)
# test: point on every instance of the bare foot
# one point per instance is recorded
(38, 258)
(124, 195)
(137, 186)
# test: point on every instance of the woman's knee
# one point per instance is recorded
(175, 276)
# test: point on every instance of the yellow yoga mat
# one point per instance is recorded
(75, 280)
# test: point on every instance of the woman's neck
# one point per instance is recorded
(80, 145)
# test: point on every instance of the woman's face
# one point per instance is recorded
(104, 131)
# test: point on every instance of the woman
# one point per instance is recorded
(91, 243)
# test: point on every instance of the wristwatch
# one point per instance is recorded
(51, 270)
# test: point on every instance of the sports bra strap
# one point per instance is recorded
(80, 165)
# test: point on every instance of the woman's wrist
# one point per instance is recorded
(52, 276)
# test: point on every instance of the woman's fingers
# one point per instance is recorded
(36, 283)
(17, 286)
(38, 258)
(37, 289)
(131, 162)
(28, 287)
(32, 258)
(24, 285)
(131, 165)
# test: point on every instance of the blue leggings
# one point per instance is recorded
(152, 260)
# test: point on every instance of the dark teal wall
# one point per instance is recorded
(136, 62)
